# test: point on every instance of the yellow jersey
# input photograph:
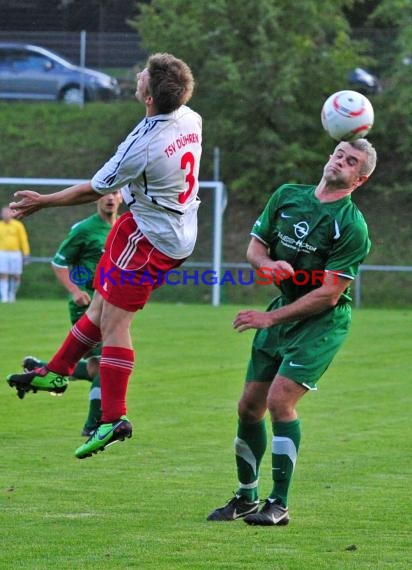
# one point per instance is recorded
(13, 237)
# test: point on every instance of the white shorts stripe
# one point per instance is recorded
(130, 249)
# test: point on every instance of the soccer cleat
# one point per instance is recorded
(236, 508)
(88, 432)
(31, 362)
(105, 435)
(269, 515)
(38, 379)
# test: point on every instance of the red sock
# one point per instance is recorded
(116, 365)
(83, 336)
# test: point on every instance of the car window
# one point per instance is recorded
(23, 61)
(6, 60)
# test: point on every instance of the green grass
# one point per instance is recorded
(142, 504)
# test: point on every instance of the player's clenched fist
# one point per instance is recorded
(250, 319)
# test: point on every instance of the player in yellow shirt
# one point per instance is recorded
(14, 247)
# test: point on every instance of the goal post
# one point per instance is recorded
(219, 205)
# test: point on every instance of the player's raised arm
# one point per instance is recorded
(313, 303)
(31, 201)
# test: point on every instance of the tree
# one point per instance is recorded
(393, 111)
(263, 69)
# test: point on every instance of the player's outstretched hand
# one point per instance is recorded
(250, 319)
(29, 203)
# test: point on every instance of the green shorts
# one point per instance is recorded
(75, 311)
(302, 350)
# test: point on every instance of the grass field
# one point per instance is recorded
(143, 503)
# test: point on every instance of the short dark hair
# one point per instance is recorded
(171, 81)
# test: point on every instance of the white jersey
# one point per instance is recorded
(157, 166)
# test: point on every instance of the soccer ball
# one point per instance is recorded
(347, 115)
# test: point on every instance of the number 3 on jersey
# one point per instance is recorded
(188, 165)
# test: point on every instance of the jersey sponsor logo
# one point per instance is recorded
(296, 244)
(301, 229)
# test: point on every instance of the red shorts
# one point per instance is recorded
(131, 267)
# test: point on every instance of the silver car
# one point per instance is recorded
(29, 72)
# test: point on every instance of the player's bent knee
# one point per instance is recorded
(251, 412)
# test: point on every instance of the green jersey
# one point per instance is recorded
(313, 236)
(81, 251)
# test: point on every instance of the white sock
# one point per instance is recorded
(13, 286)
(4, 289)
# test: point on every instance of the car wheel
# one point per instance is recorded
(73, 95)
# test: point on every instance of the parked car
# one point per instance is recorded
(364, 82)
(29, 72)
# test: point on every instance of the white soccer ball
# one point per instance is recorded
(347, 115)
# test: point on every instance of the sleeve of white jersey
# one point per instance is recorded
(126, 165)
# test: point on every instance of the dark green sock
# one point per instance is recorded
(285, 446)
(95, 404)
(80, 372)
(250, 446)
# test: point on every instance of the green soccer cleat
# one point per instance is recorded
(105, 435)
(40, 379)
(31, 362)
